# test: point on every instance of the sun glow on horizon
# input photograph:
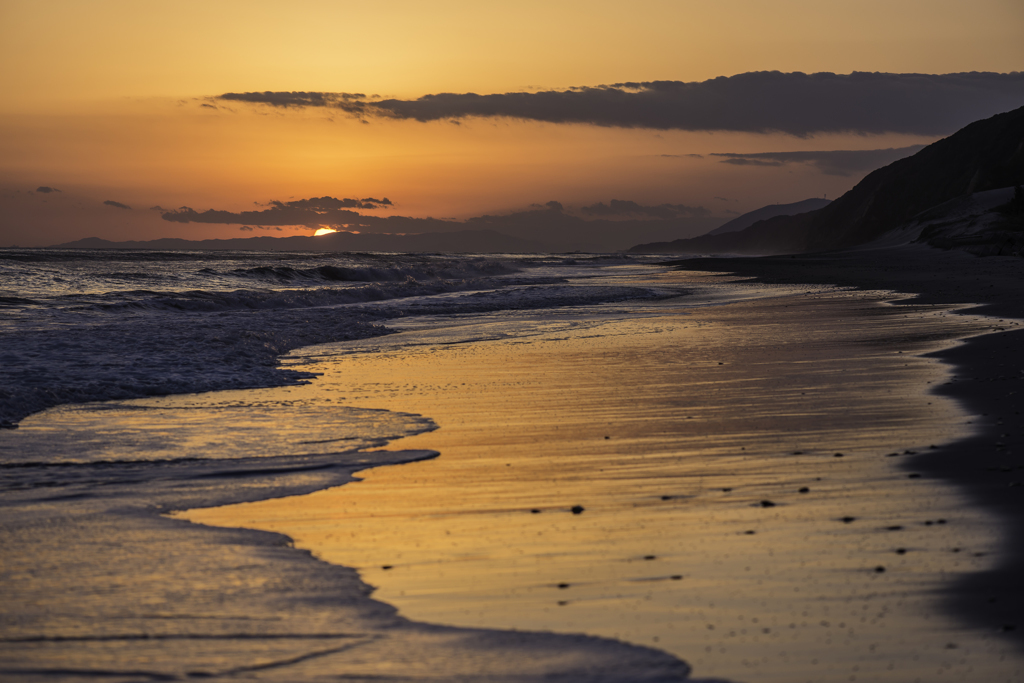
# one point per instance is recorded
(324, 231)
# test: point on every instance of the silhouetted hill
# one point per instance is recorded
(771, 211)
(985, 155)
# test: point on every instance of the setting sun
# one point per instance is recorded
(324, 231)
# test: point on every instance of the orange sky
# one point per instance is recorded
(103, 101)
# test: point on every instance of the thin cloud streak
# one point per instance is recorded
(842, 162)
(760, 102)
(618, 208)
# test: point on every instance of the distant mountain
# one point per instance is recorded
(474, 241)
(985, 155)
(746, 220)
(537, 230)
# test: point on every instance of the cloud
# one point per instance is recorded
(552, 205)
(613, 226)
(765, 101)
(330, 203)
(295, 99)
(624, 208)
(843, 162)
(119, 205)
(46, 190)
(315, 211)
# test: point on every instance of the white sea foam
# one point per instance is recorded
(79, 326)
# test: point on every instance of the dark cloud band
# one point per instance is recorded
(311, 212)
(795, 103)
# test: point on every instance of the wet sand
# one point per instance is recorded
(988, 380)
(673, 481)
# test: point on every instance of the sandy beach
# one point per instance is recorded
(781, 480)
(987, 376)
(633, 479)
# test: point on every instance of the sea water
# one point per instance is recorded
(97, 585)
(86, 325)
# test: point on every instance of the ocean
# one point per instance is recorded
(643, 461)
(87, 325)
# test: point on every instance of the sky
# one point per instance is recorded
(142, 120)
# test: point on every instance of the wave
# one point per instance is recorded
(450, 270)
(266, 299)
(15, 301)
(74, 341)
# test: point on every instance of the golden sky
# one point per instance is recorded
(104, 101)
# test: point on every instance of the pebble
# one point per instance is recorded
(577, 509)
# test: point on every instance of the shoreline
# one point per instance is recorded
(948, 461)
(988, 381)
(641, 492)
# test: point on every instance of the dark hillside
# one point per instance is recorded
(985, 155)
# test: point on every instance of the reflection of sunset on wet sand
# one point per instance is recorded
(738, 506)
